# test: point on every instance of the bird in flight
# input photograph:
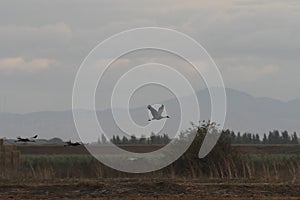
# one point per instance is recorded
(32, 139)
(156, 114)
(70, 143)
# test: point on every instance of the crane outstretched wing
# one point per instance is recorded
(35, 136)
(153, 111)
(160, 110)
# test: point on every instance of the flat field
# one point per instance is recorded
(246, 149)
(58, 172)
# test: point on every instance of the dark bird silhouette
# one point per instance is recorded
(69, 143)
(35, 136)
(156, 114)
(32, 139)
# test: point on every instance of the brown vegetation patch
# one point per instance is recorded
(145, 189)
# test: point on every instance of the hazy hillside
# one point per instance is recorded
(244, 113)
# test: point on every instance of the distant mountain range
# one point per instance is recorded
(245, 113)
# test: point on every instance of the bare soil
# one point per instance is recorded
(145, 189)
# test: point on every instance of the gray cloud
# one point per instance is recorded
(253, 42)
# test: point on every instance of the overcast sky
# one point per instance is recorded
(255, 43)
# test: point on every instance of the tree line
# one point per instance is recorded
(273, 137)
(153, 139)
